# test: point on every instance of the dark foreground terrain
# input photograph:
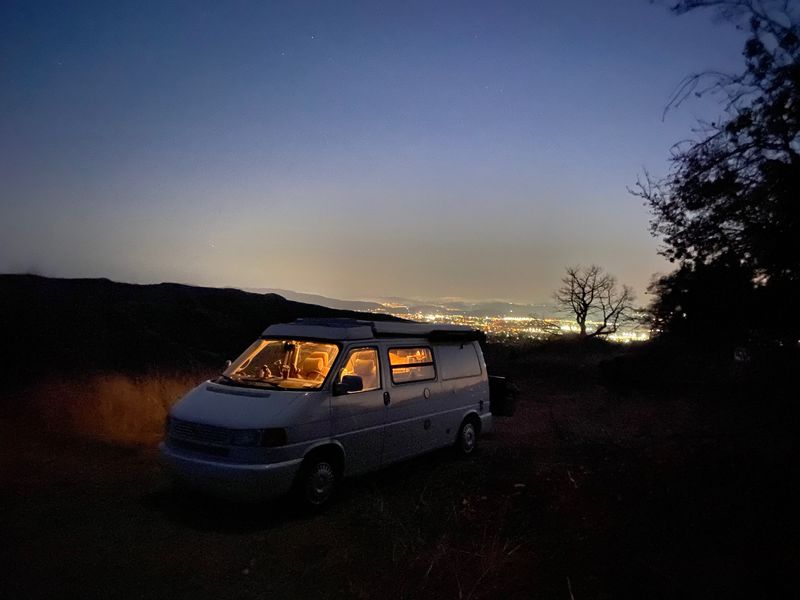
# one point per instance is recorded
(585, 493)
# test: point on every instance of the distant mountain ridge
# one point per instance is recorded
(359, 305)
(50, 325)
(409, 306)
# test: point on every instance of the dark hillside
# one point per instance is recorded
(51, 326)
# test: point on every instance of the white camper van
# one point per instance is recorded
(315, 400)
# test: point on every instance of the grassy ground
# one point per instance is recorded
(584, 493)
(112, 407)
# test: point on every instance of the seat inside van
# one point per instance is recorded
(367, 370)
(315, 366)
(323, 356)
(364, 363)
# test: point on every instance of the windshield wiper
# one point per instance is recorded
(272, 383)
(233, 381)
(250, 383)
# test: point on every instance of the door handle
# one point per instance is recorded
(386, 398)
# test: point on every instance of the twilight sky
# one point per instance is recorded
(468, 149)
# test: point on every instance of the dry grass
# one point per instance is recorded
(114, 407)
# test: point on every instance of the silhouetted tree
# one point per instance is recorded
(694, 302)
(593, 295)
(730, 201)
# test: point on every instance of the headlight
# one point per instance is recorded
(273, 437)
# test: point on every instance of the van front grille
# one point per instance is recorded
(198, 432)
(202, 448)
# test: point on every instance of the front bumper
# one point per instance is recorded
(236, 481)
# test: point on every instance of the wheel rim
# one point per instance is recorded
(320, 483)
(468, 438)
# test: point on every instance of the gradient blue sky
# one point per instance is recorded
(349, 149)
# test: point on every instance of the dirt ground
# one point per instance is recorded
(584, 493)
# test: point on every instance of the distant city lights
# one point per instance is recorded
(514, 328)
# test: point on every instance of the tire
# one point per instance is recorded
(317, 482)
(467, 439)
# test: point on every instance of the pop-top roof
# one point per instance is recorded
(353, 329)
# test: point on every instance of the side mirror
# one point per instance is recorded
(227, 364)
(349, 383)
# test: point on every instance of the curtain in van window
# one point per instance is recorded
(411, 364)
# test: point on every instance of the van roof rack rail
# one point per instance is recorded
(356, 329)
(432, 331)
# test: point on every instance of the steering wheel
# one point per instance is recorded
(317, 375)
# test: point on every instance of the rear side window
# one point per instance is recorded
(458, 360)
(411, 364)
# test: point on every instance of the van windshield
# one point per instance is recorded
(285, 364)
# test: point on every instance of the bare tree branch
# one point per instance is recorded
(593, 295)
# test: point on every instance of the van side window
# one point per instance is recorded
(364, 363)
(458, 360)
(411, 364)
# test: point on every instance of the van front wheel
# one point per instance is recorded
(467, 439)
(317, 482)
